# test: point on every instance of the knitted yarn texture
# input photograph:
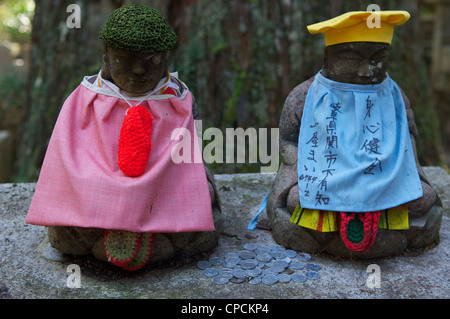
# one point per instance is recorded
(135, 141)
(128, 250)
(358, 230)
(139, 29)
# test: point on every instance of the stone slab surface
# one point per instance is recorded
(30, 269)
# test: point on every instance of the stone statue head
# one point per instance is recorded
(356, 62)
(136, 41)
(357, 44)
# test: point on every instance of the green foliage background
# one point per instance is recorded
(240, 58)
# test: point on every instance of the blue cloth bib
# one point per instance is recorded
(355, 152)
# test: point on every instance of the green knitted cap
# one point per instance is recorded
(138, 29)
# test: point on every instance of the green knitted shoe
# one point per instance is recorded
(145, 250)
(121, 246)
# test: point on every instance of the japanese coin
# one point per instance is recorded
(262, 249)
(281, 263)
(278, 254)
(303, 257)
(312, 275)
(236, 280)
(298, 278)
(210, 272)
(246, 254)
(290, 253)
(250, 246)
(277, 248)
(203, 264)
(255, 281)
(270, 279)
(312, 266)
(220, 280)
(231, 262)
(296, 265)
(230, 255)
(264, 257)
(239, 273)
(284, 278)
(254, 272)
(249, 263)
(226, 273)
(276, 269)
(216, 261)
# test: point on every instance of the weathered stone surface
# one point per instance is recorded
(30, 268)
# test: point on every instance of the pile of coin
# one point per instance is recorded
(260, 264)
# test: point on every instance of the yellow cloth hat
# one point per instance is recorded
(360, 26)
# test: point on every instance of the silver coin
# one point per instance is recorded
(249, 264)
(276, 269)
(269, 271)
(216, 261)
(270, 279)
(250, 246)
(210, 272)
(290, 253)
(279, 263)
(284, 278)
(277, 248)
(254, 272)
(246, 254)
(220, 280)
(287, 259)
(264, 257)
(231, 255)
(239, 273)
(203, 264)
(232, 261)
(226, 273)
(296, 265)
(262, 249)
(312, 266)
(255, 281)
(235, 280)
(303, 257)
(312, 275)
(298, 278)
(277, 254)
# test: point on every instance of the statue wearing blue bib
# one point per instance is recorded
(349, 182)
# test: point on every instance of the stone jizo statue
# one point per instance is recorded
(350, 183)
(108, 185)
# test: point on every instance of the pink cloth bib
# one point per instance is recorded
(80, 183)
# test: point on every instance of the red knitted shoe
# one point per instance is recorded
(358, 230)
(135, 141)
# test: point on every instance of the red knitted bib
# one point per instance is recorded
(135, 141)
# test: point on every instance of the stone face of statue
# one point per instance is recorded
(134, 73)
(356, 62)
